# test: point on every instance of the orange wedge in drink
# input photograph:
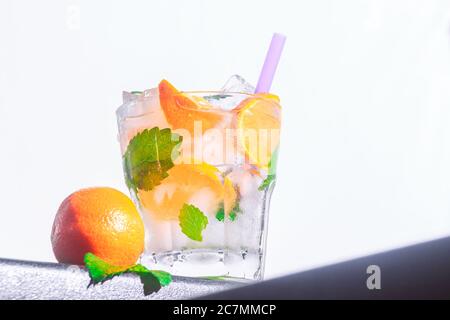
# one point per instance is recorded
(183, 111)
(197, 184)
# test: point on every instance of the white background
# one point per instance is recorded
(365, 86)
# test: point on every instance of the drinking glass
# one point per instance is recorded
(200, 167)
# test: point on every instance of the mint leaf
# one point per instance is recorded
(272, 169)
(150, 283)
(233, 214)
(220, 214)
(152, 280)
(273, 162)
(217, 278)
(216, 97)
(192, 222)
(267, 181)
(164, 278)
(100, 271)
(149, 156)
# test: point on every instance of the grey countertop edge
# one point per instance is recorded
(29, 280)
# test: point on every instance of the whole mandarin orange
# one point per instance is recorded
(101, 220)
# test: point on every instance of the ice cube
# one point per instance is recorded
(140, 110)
(232, 93)
(160, 237)
(236, 83)
(130, 96)
(136, 103)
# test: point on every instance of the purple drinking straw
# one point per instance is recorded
(271, 63)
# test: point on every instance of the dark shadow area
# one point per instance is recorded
(416, 272)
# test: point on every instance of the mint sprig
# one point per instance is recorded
(101, 271)
(192, 222)
(271, 176)
(149, 156)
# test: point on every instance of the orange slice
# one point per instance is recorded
(197, 184)
(258, 121)
(182, 110)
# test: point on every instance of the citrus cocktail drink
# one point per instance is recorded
(200, 166)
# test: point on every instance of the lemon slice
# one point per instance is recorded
(258, 120)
